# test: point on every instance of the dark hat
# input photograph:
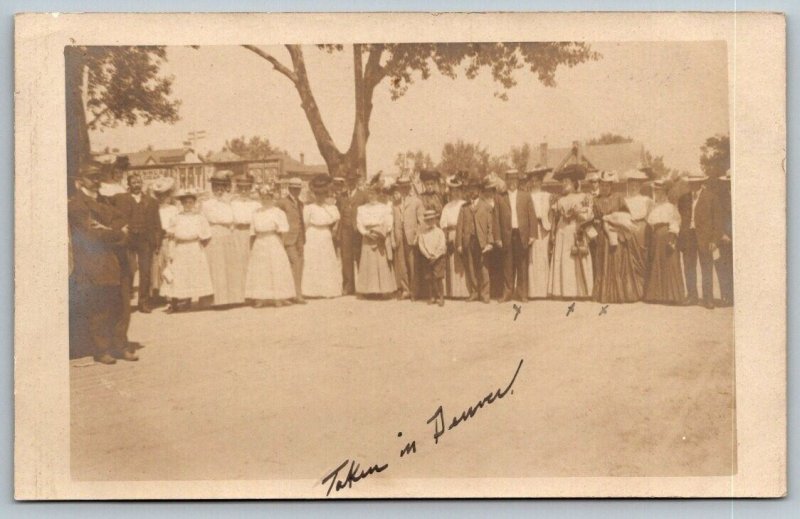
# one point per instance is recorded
(539, 171)
(487, 183)
(319, 182)
(427, 175)
(571, 171)
(222, 176)
(90, 170)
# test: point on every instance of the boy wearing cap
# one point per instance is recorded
(433, 246)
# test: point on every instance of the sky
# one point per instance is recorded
(669, 95)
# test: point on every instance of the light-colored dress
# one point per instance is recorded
(455, 275)
(570, 274)
(221, 251)
(539, 261)
(639, 206)
(243, 208)
(161, 258)
(322, 271)
(269, 275)
(375, 275)
(188, 275)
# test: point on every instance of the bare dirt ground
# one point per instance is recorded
(282, 393)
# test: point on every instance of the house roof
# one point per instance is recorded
(154, 157)
(294, 167)
(225, 156)
(620, 157)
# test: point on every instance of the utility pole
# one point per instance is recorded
(195, 136)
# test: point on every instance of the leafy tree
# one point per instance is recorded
(520, 157)
(716, 155)
(121, 85)
(412, 162)
(253, 149)
(400, 64)
(462, 156)
(609, 138)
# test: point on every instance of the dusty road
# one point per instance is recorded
(292, 392)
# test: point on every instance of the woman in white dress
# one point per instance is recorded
(243, 204)
(269, 275)
(374, 222)
(639, 206)
(221, 250)
(322, 272)
(539, 261)
(455, 275)
(571, 266)
(162, 189)
(187, 276)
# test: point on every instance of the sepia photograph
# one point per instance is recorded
(354, 265)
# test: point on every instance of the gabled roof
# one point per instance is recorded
(156, 157)
(620, 157)
(294, 167)
(225, 156)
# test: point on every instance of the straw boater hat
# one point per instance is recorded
(295, 182)
(609, 177)
(162, 185)
(593, 176)
(187, 192)
(512, 173)
(430, 214)
(696, 177)
(222, 176)
(488, 184)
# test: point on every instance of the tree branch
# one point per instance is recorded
(374, 72)
(280, 67)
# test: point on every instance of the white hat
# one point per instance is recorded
(186, 192)
(295, 182)
(162, 184)
(697, 177)
(609, 176)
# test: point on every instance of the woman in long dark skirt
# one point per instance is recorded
(664, 276)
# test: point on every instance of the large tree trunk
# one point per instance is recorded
(78, 145)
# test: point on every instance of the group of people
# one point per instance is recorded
(470, 239)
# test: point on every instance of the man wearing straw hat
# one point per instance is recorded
(701, 231)
(97, 271)
(295, 239)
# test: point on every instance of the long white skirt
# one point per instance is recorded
(322, 271)
(269, 275)
(538, 267)
(570, 276)
(188, 273)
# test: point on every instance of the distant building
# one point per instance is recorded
(190, 170)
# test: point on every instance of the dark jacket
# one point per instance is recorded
(474, 221)
(294, 215)
(94, 242)
(526, 218)
(707, 219)
(126, 205)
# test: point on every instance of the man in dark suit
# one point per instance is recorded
(700, 234)
(515, 221)
(412, 212)
(294, 240)
(97, 273)
(144, 232)
(474, 238)
(348, 201)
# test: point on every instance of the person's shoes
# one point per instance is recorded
(441, 301)
(504, 299)
(708, 305)
(472, 298)
(127, 355)
(134, 345)
(403, 295)
(300, 301)
(486, 301)
(431, 301)
(105, 359)
(690, 301)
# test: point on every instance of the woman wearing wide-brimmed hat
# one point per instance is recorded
(221, 250)
(455, 275)
(664, 283)
(269, 274)
(374, 221)
(619, 268)
(322, 271)
(187, 276)
(638, 204)
(162, 190)
(570, 273)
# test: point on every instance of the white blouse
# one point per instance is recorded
(450, 213)
(323, 215)
(639, 206)
(217, 212)
(243, 209)
(186, 227)
(166, 212)
(374, 217)
(268, 221)
(667, 213)
(541, 206)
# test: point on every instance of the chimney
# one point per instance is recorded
(302, 158)
(543, 154)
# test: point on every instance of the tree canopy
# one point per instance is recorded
(716, 155)
(254, 148)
